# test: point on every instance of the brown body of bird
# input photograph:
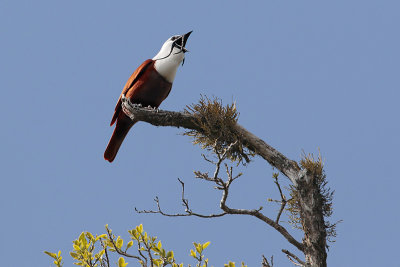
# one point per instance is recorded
(149, 85)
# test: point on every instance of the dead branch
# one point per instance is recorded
(312, 199)
(224, 186)
(158, 117)
(293, 258)
(265, 262)
(188, 211)
(283, 198)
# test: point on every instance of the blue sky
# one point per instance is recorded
(306, 75)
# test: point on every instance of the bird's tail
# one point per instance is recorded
(122, 128)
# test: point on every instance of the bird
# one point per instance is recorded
(149, 85)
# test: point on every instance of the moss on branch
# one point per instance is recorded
(217, 122)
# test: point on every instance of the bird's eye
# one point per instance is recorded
(173, 38)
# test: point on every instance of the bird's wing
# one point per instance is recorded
(131, 81)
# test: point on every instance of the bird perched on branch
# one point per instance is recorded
(149, 85)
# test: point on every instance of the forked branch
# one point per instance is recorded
(224, 186)
(312, 198)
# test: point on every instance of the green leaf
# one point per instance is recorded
(74, 255)
(205, 245)
(192, 253)
(170, 254)
(53, 255)
(100, 236)
(130, 244)
(82, 238)
(155, 249)
(100, 254)
(119, 242)
(135, 234)
(198, 248)
(157, 262)
(159, 245)
(90, 236)
(121, 262)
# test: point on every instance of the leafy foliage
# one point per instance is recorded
(232, 264)
(150, 251)
(217, 128)
(57, 258)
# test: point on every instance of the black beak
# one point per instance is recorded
(185, 37)
(181, 42)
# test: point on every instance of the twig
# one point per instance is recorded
(256, 213)
(188, 211)
(110, 237)
(293, 257)
(283, 198)
(265, 262)
(224, 186)
(185, 201)
(141, 254)
(105, 252)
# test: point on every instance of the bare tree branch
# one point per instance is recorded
(185, 120)
(107, 260)
(158, 117)
(224, 186)
(293, 257)
(256, 213)
(308, 185)
(265, 262)
(188, 212)
(283, 198)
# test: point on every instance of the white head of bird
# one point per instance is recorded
(171, 55)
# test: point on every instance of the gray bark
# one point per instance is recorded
(314, 242)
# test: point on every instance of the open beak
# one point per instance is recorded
(181, 41)
(185, 37)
